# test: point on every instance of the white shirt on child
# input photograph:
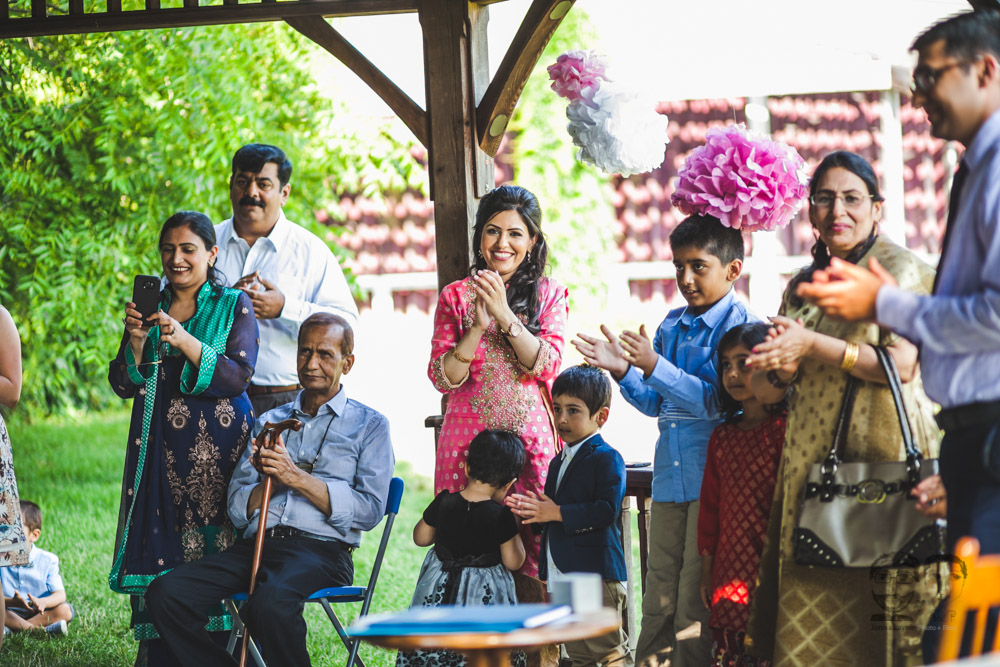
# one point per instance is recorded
(40, 577)
(567, 455)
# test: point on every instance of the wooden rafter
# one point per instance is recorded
(497, 105)
(114, 19)
(318, 30)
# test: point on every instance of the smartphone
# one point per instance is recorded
(146, 296)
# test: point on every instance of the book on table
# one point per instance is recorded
(454, 619)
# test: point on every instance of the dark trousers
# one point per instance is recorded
(970, 471)
(971, 477)
(263, 402)
(291, 570)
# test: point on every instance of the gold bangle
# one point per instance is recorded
(851, 353)
(464, 360)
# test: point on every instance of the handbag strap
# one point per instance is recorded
(830, 464)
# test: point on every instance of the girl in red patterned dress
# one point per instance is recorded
(736, 491)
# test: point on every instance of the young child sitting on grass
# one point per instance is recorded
(34, 593)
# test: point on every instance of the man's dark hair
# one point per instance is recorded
(253, 157)
(705, 232)
(495, 457)
(965, 35)
(588, 383)
(323, 320)
(31, 515)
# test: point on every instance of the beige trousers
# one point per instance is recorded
(610, 650)
(674, 629)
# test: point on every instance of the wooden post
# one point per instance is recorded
(454, 48)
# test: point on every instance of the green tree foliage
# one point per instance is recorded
(578, 219)
(102, 137)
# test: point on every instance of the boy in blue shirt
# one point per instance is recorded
(674, 378)
(34, 594)
(580, 511)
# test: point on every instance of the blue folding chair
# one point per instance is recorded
(331, 596)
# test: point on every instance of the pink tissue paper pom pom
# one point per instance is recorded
(744, 179)
(576, 75)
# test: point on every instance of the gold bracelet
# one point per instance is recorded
(851, 353)
(464, 360)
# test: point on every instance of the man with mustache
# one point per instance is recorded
(288, 272)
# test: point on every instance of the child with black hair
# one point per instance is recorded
(34, 594)
(673, 377)
(737, 489)
(475, 538)
(580, 511)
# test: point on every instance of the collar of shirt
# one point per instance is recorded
(984, 141)
(569, 451)
(276, 237)
(336, 405)
(711, 317)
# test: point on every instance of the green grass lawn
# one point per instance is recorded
(73, 470)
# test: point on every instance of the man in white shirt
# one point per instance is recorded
(288, 272)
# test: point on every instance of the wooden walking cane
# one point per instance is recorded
(268, 438)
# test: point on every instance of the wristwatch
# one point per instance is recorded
(514, 330)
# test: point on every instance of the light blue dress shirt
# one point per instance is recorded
(682, 392)
(958, 329)
(40, 577)
(347, 446)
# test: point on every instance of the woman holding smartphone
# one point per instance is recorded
(187, 366)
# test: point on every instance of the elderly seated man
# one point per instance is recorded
(331, 480)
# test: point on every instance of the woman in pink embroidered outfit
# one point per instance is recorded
(498, 341)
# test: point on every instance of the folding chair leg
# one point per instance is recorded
(352, 645)
(240, 630)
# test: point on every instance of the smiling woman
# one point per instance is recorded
(497, 347)
(187, 366)
(818, 353)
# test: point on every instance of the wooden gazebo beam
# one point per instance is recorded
(114, 20)
(319, 31)
(495, 109)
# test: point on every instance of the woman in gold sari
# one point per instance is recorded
(838, 616)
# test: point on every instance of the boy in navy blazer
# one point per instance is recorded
(581, 507)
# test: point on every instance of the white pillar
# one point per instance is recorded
(765, 281)
(893, 222)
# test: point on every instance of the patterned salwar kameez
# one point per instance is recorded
(189, 427)
(498, 392)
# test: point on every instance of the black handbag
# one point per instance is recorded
(854, 514)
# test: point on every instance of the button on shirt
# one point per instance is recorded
(347, 446)
(304, 269)
(40, 577)
(958, 329)
(682, 393)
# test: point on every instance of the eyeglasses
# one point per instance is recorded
(851, 200)
(925, 78)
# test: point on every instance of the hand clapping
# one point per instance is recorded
(534, 508)
(607, 354)
(492, 294)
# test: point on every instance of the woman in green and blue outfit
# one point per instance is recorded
(187, 367)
